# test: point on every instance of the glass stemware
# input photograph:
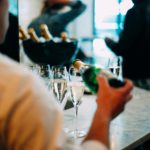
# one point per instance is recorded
(115, 66)
(44, 71)
(59, 83)
(33, 68)
(76, 87)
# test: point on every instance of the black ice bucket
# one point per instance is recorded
(53, 53)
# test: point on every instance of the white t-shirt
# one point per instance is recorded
(30, 118)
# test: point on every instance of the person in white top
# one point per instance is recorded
(30, 119)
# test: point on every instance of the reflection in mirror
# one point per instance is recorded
(11, 45)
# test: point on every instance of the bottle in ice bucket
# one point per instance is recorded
(33, 35)
(64, 37)
(89, 76)
(22, 34)
(45, 32)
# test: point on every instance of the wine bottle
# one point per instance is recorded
(45, 32)
(64, 37)
(89, 76)
(33, 35)
(22, 34)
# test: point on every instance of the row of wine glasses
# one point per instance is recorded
(69, 85)
(64, 84)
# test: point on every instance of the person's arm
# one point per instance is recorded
(60, 20)
(110, 103)
(129, 35)
(77, 8)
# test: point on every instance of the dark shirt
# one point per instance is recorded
(57, 22)
(11, 45)
(134, 42)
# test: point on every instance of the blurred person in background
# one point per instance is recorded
(30, 118)
(134, 44)
(57, 14)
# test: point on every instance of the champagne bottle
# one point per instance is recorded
(22, 34)
(64, 37)
(45, 32)
(89, 76)
(33, 35)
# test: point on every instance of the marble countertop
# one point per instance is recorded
(128, 130)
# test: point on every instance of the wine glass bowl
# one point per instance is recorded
(59, 83)
(44, 71)
(76, 92)
(115, 66)
(59, 72)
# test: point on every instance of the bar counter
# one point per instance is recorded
(128, 131)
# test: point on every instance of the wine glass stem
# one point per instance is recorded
(76, 120)
(76, 109)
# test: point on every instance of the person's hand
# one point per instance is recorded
(111, 101)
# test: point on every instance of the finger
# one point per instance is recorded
(129, 97)
(102, 82)
(128, 86)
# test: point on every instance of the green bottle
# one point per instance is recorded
(89, 76)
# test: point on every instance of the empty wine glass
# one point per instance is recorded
(115, 66)
(76, 87)
(59, 83)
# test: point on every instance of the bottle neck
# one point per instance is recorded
(81, 67)
(46, 35)
(23, 35)
(34, 37)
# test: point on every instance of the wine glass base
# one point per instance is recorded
(76, 134)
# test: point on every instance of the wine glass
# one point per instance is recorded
(33, 68)
(44, 71)
(76, 87)
(115, 66)
(59, 83)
